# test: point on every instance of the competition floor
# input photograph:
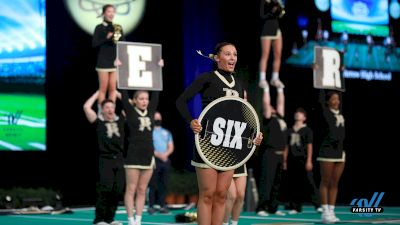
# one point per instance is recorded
(81, 216)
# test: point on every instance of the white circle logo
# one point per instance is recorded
(87, 13)
(322, 5)
(395, 9)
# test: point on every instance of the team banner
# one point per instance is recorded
(139, 69)
(230, 125)
(328, 69)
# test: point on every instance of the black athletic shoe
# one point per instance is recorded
(151, 211)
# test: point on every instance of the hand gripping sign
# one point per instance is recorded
(139, 69)
(328, 69)
(230, 124)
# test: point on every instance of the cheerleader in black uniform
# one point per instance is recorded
(272, 153)
(235, 197)
(110, 136)
(213, 184)
(236, 193)
(331, 155)
(270, 12)
(139, 161)
(104, 40)
(299, 163)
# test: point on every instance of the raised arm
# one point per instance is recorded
(280, 102)
(267, 111)
(91, 115)
(192, 90)
(128, 108)
(155, 95)
(321, 98)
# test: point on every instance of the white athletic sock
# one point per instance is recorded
(225, 223)
(275, 75)
(138, 219)
(279, 90)
(266, 89)
(131, 220)
(325, 208)
(331, 208)
(262, 76)
(234, 222)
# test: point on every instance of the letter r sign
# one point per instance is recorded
(327, 72)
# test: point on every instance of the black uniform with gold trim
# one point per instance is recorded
(270, 10)
(107, 51)
(332, 149)
(140, 152)
(110, 136)
(301, 182)
(298, 140)
(275, 131)
(211, 85)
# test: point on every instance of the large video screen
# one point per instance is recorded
(364, 17)
(22, 75)
(367, 39)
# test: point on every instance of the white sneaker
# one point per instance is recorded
(327, 217)
(334, 218)
(116, 223)
(132, 223)
(262, 213)
(101, 223)
(280, 213)
(277, 83)
(263, 84)
(293, 212)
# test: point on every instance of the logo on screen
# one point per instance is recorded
(365, 207)
(13, 118)
(87, 13)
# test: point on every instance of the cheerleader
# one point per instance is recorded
(139, 161)
(272, 153)
(213, 184)
(331, 154)
(236, 193)
(270, 12)
(104, 40)
(110, 137)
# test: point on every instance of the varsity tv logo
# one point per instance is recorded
(367, 207)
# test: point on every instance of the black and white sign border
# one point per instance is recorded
(205, 110)
(118, 71)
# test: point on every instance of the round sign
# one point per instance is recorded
(87, 13)
(230, 124)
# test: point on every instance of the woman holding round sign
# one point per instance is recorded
(105, 37)
(226, 134)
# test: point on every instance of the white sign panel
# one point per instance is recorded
(139, 69)
(328, 69)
